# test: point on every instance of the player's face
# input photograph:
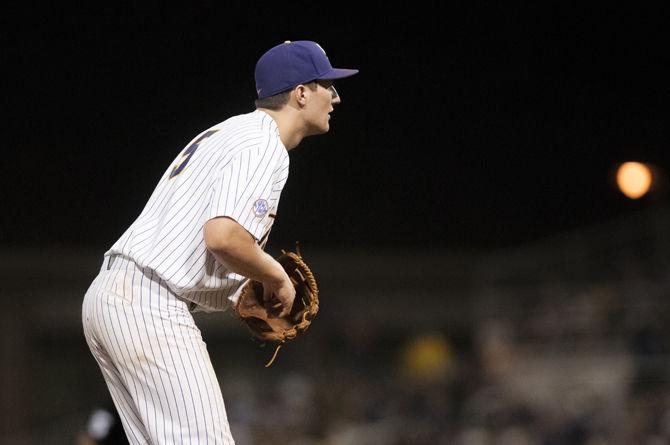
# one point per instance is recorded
(321, 103)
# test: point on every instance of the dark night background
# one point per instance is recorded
(464, 196)
(468, 126)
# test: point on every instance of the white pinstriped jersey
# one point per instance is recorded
(237, 169)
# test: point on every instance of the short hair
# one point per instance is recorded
(276, 102)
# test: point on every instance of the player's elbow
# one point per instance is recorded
(224, 237)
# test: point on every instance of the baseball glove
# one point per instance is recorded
(258, 315)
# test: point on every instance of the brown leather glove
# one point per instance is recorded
(259, 316)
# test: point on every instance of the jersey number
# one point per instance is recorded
(189, 152)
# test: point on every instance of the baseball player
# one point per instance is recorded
(197, 241)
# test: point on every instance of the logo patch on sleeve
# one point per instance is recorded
(260, 208)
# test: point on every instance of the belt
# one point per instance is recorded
(109, 261)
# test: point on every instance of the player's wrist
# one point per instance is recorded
(278, 277)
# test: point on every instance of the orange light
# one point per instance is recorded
(634, 179)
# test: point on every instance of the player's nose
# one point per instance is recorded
(334, 95)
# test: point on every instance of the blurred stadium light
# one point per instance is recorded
(634, 179)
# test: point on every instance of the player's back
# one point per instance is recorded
(167, 235)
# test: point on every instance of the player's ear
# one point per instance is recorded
(300, 93)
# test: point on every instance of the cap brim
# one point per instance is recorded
(337, 73)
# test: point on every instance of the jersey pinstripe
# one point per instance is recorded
(237, 169)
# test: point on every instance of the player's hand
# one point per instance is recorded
(278, 297)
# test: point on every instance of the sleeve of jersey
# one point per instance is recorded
(245, 189)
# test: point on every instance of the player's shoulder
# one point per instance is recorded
(256, 130)
(253, 121)
(241, 136)
(227, 134)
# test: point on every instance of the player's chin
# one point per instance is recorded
(320, 129)
(326, 125)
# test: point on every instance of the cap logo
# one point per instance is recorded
(260, 208)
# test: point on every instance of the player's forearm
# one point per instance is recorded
(236, 249)
(250, 261)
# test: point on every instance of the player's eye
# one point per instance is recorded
(329, 85)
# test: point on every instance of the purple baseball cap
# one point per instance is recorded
(293, 63)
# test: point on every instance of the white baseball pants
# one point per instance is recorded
(153, 358)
